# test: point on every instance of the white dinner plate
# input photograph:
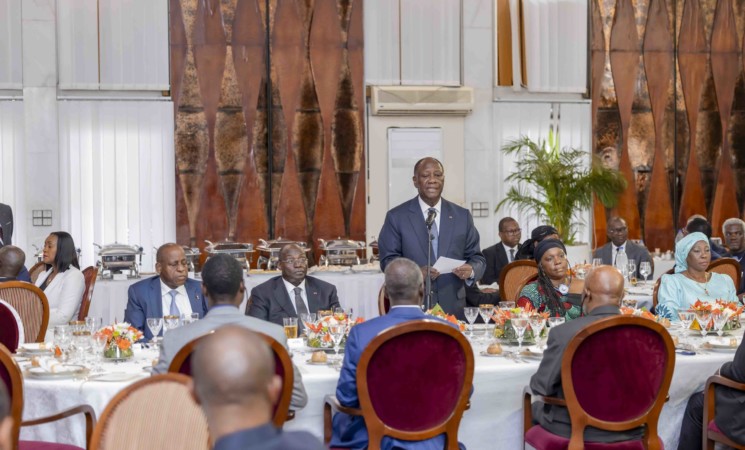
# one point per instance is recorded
(721, 344)
(35, 350)
(66, 371)
(115, 377)
(317, 363)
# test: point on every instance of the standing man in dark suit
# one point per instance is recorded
(503, 252)
(601, 299)
(618, 235)
(168, 293)
(293, 293)
(453, 235)
(6, 225)
(236, 386)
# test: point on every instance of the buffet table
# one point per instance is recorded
(355, 290)
(493, 421)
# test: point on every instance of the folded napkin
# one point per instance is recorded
(52, 365)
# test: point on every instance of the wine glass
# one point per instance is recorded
(154, 324)
(519, 324)
(471, 313)
(93, 324)
(339, 314)
(62, 337)
(720, 319)
(645, 270)
(596, 262)
(686, 318)
(506, 305)
(703, 317)
(170, 323)
(99, 342)
(537, 323)
(485, 311)
(337, 333)
(630, 302)
(555, 322)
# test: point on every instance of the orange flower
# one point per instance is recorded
(124, 344)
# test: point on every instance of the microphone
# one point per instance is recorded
(430, 217)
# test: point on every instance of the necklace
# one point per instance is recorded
(704, 285)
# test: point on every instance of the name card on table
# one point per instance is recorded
(294, 344)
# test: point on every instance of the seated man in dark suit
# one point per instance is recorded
(618, 242)
(236, 385)
(293, 293)
(601, 298)
(11, 263)
(734, 236)
(404, 288)
(729, 414)
(503, 252)
(168, 293)
(223, 289)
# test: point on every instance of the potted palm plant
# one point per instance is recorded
(555, 186)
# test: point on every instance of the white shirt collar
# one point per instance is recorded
(425, 207)
(164, 290)
(406, 306)
(291, 287)
(623, 246)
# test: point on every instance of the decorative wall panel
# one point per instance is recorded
(676, 121)
(286, 164)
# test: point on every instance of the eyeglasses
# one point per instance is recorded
(515, 231)
(295, 261)
(617, 230)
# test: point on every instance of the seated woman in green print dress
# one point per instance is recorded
(554, 291)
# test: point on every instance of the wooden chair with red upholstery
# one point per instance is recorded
(157, 412)
(384, 303)
(11, 333)
(282, 366)
(514, 276)
(389, 375)
(727, 266)
(36, 270)
(32, 306)
(10, 374)
(90, 274)
(711, 432)
(603, 363)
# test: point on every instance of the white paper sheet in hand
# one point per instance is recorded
(446, 265)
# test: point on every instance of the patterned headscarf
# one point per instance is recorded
(683, 248)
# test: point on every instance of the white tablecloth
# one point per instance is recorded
(355, 290)
(494, 420)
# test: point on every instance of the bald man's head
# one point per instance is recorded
(11, 261)
(234, 368)
(603, 287)
(403, 282)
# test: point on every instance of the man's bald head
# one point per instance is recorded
(234, 368)
(11, 261)
(403, 282)
(603, 287)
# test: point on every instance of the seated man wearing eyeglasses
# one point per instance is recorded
(292, 294)
(618, 237)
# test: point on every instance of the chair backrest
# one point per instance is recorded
(514, 276)
(36, 270)
(384, 303)
(90, 274)
(10, 374)
(729, 267)
(604, 362)
(157, 412)
(657, 286)
(181, 363)
(32, 306)
(10, 331)
(389, 374)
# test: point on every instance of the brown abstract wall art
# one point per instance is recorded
(237, 147)
(668, 96)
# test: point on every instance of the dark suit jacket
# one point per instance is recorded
(267, 437)
(404, 233)
(348, 431)
(270, 300)
(144, 300)
(496, 258)
(6, 222)
(635, 252)
(729, 413)
(547, 381)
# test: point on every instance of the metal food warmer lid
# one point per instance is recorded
(272, 247)
(119, 256)
(235, 249)
(343, 252)
(374, 247)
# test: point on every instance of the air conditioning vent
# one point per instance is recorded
(421, 100)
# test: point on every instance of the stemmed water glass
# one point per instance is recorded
(485, 311)
(597, 262)
(99, 341)
(686, 318)
(632, 272)
(519, 324)
(537, 323)
(154, 324)
(337, 333)
(471, 313)
(645, 270)
(62, 337)
(703, 317)
(720, 319)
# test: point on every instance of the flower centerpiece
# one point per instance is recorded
(438, 312)
(502, 318)
(732, 309)
(645, 314)
(120, 337)
(318, 332)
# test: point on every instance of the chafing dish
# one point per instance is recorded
(192, 257)
(375, 252)
(269, 252)
(240, 251)
(118, 258)
(342, 252)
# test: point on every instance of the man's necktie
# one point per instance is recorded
(512, 254)
(174, 311)
(300, 308)
(618, 250)
(435, 234)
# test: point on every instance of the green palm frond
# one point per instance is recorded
(563, 186)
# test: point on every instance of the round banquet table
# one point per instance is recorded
(493, 421)
(355, 290)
